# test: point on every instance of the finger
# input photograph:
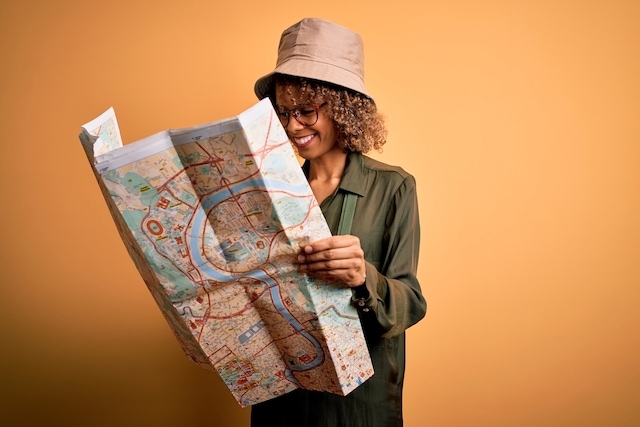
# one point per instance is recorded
(353, 252)
(332, 242)
(326, 265)
(349, 276)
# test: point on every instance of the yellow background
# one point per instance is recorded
(519, 119)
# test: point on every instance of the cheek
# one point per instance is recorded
(333, 132)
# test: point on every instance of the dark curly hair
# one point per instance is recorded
(360, 127)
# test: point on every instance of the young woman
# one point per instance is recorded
(318, 92)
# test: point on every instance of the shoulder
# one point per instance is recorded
(391, 172)
(367, 176)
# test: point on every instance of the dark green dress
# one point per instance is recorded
(386, 221)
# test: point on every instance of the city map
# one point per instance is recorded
(213, 217)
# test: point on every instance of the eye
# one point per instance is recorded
(307, 111)
(282, 112)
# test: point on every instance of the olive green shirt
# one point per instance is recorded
(387, 224)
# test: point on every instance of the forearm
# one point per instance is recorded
(390, 305)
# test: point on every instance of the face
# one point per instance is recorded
(312, 142)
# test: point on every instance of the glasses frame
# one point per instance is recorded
(295, 112)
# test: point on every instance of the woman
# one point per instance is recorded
(318, 92)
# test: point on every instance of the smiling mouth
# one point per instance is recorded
(303, 141)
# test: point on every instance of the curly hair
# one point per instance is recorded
(360, 126)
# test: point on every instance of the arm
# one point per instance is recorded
(389, 299)
(392, 294)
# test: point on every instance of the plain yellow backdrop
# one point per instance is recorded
(519, 119)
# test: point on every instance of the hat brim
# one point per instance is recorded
(311, 70)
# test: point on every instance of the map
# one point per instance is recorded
(105, 128)
(214, 217)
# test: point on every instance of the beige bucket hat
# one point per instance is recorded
(321, 50)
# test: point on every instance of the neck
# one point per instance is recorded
(325, 174)
(327, 167)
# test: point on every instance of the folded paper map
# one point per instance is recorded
(213, 217)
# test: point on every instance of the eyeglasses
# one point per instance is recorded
(306, 115)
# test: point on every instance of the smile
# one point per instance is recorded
(303, 141)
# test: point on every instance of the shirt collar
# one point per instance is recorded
(353, 179)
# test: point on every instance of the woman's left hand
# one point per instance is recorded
(336, 257)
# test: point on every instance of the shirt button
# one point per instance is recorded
(366, 310)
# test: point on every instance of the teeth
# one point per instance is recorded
(303, 140)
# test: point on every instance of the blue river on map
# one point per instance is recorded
(194, 243)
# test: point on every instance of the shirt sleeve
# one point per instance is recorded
(390, 301)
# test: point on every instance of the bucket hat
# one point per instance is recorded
(320, 50)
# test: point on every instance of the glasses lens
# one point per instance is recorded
(283, 115)
(306, 115)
